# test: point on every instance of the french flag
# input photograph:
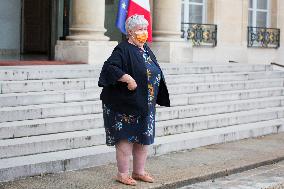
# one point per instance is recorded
(127, 8)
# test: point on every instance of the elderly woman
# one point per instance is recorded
(132, 84)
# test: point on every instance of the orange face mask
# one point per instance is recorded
(142, 37)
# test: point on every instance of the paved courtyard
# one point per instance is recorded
(185, 168)
(265, 177)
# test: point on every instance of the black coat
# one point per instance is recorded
(127, 59)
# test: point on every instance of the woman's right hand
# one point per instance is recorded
(131, 83)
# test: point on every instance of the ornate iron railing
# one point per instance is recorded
(200, 34)
(261, 37)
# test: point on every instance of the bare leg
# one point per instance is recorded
(139, 158)
(123, 153)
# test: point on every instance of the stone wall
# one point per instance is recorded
(231, 17)
(10, 22)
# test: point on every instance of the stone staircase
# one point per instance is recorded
(51, 116)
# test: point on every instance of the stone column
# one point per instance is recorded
(87, 42)
(88, 18)
(167, 42)
(167, 20)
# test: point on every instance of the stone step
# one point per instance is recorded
(12, 73)
(91, 83)
(178, 126)
(196, 139)
(93, 121)
(17, 167)
(45, 126)
(224, 86)
(48, 97)
(209, 97)
(93, 137)
(42, 111)
(178, 112)
(51, 97)
(49, 110)
(51, 143)
(222, 77)
(175, 69)
(47, 85)
(171, 79)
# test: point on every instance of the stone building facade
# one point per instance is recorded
(92, 34)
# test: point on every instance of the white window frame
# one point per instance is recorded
(186, 4)
(254, 10)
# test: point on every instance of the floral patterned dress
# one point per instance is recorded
(135, 129)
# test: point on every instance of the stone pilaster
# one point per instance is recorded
(280, 24)
(167, 43)
(231, 18)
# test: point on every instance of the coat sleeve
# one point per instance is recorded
(112, 69)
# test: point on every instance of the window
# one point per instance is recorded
(259, 13)
(193, 11)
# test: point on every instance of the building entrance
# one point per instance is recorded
(36, 28)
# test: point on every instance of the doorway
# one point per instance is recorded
(36, 29)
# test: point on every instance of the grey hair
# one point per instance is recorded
(134, 21)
